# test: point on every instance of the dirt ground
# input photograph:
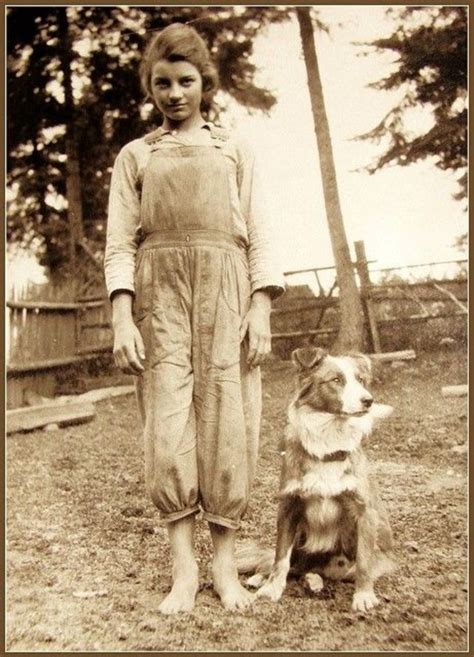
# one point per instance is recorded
(88, 561)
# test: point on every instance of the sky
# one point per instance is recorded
(405, 215)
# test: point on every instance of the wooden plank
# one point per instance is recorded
(365, 284)
(34, 417)
(401, 284)
(415, 319)
(58, 306)
(454, 391)
(406, 354)
(86, 354)
(104, 393)
(311, 269)
(300, 334)
(424, 264)
(310, 305)
(96, 349)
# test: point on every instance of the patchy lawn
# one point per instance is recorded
(88, 561)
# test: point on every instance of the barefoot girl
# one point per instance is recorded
(189, 271)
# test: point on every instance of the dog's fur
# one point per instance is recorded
(330, 519)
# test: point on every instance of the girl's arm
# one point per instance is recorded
(266, 279)
(265, 273)
(120, 252)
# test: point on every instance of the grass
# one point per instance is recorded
(88, 561)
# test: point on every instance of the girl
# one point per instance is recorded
(189, 271)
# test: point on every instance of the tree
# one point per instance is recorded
(430, 45)
(351, 332)
(75, 69)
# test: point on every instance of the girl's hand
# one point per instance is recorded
(129, 350)
(257, 324)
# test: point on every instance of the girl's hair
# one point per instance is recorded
(179, 42)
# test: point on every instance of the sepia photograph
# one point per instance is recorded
(236, 328)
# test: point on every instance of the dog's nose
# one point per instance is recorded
(367, 401)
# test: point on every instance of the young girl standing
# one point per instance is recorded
(189, 271)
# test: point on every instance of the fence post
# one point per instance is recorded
(365, 284)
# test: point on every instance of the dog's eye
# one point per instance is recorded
(336, 379)
(359, 378)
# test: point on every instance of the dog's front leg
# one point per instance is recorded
(364, 596)
(286, 532)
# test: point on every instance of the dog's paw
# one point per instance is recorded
(272, 589)
(364, 600)
(314, 582)
(255, 581)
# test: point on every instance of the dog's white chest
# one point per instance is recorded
(322, 517)
(325, 479)
(322, 511)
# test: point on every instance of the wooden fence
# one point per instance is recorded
(388, 300)
(44, 336)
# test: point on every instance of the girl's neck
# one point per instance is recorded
(188, 125)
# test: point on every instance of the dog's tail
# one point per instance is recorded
(253, 558)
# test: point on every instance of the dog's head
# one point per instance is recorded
(333, 384)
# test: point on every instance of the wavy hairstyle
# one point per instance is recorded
(179, 42)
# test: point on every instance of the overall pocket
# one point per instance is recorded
(143, 301)
(232, 305)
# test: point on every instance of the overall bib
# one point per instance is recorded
(199, 401)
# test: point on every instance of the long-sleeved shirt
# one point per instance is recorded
(249, 215)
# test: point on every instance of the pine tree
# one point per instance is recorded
(430, 45)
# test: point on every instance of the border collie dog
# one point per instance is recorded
(331, 522)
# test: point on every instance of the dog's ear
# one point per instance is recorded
(308, 358)
(364, 364)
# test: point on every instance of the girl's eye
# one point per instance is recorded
(187, 82)
(161, 84)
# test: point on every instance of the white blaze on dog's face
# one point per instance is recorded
(333, 384)
(355, 396)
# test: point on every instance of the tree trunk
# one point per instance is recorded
(73, 174)
(351, 332)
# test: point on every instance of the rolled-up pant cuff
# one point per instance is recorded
(219, 520)
(177, 515)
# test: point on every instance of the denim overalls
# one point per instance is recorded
(199, 401)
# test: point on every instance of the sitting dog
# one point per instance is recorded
(330, 519)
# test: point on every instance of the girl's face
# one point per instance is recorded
(177, 91)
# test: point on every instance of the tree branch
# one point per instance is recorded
(449, 294)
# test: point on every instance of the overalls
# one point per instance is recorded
(199, 400)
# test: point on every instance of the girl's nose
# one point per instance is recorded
(175, 92)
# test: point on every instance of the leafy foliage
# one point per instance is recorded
(430, 44)
(99, 49)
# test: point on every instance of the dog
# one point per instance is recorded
(331, 522)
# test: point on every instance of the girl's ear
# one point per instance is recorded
(308, 358)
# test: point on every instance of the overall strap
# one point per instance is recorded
(154, 136)
(219, 134)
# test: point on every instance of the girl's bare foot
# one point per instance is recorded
(224, 570)
(183, 592)
(185, 569)
(233, 595)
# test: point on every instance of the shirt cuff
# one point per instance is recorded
(118, 289)
(271, 287)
